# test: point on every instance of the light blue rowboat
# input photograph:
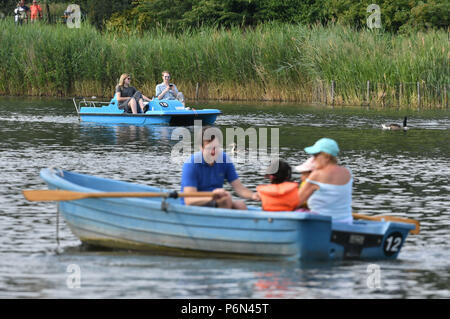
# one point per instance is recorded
(152, 223)
(166, 112)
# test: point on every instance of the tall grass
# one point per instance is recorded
(270, 62)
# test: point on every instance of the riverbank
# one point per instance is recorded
(273, 62)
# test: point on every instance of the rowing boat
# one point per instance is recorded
(166, 112)
(165, 224)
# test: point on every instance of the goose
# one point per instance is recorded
(395, 127)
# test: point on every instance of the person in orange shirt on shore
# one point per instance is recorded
(36, 11)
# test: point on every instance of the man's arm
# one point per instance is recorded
(175, 89)
(160, 92)
(195, 201)
(243, 191)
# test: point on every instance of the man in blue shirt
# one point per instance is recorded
(206, 171)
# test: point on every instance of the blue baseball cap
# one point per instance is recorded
(326, 145)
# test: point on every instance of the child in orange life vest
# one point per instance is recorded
(281, 194)
(305, 170)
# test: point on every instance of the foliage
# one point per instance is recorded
(7, 6)
(272, 61)
(396, 15)
(176, 16)
(99, 12)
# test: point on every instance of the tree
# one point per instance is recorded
(100, 11)
(396, 15)
(7, 6)
(295, 11)
(225, 13)
(177, 15)
(430, 15)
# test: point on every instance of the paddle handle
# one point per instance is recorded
(144, 194)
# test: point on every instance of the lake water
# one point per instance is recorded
(402, 174)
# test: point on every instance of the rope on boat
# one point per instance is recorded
(57, 228)
(60, 172)
(164, 204)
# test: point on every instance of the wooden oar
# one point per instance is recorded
(391, 219)
(63, 195)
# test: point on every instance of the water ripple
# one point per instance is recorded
(399, 174)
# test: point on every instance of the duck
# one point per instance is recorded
(395, 127)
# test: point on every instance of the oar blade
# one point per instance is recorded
(414, 231)
(48, 195)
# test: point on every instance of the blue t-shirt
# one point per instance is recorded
(197, 173)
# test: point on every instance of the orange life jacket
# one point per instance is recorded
(279, 197)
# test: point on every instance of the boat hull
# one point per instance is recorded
(165, 112)
(152, 224)
(149, 119)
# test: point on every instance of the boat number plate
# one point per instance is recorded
(356, 239)
(392, 244)
(163, 104)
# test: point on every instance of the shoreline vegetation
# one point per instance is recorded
(334, 65)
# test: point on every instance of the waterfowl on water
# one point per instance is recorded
(233, 148)
(395, 127)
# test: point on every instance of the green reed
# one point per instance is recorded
(269, 62)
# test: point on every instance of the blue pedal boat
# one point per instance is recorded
(156, 224)
(166, 112)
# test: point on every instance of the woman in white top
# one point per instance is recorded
(328, 190)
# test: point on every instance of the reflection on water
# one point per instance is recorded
(125, 134)
(404, 174)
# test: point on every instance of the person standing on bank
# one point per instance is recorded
(328, 190)
(128, 97)
(36, 11)
(206, 171)
(167, 90)
(21, 13)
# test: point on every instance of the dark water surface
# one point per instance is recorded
(402, 174)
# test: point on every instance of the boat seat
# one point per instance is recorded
(114, 105)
